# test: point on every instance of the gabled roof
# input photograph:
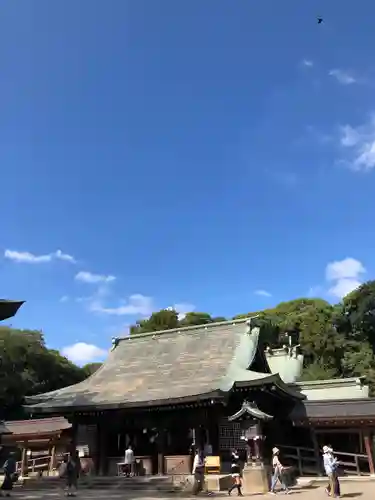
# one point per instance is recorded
(169, 367)
(250, 409)
(8, 308)
(37, 427)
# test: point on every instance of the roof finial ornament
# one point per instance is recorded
(115, 342)
(253, 325)
(250, 320)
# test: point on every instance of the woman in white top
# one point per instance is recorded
(277, 472)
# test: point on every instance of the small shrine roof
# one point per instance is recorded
(250, 409)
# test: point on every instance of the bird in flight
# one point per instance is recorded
(320, 20)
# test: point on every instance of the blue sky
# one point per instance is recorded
(217, 154)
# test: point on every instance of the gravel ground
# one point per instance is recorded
(361, 490)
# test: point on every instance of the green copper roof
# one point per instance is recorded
(8, 308)
(172, 366)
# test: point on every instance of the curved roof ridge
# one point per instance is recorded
(183, 329)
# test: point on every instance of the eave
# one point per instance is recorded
(275, 383)
(197, 401)
(9, 308)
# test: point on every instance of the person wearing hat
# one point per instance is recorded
(330, 466)
(277, 472)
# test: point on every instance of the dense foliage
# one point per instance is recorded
(27, 367)
(337, 341)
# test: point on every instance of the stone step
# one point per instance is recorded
(103, 482)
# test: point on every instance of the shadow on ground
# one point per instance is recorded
(352, 495)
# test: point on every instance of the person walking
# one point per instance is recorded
(72, 471)
(277, 472)
(9, 468)
(236, 474)
(330, 464)
(129, 461)
(198, 472)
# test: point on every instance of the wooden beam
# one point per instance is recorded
(52, 460)
(369, 450)
(23, 461)
(314, 439)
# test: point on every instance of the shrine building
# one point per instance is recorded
(165, 391)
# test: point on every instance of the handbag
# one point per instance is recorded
(14, 477)
(63, 469)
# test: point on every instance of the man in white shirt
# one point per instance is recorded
(198, 472)
(129, 461)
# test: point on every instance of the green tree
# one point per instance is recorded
(357, 315)
(166, 319)
(91, 368)
(317, 371)
(196, 318)
(355, 320)
(310, 322)
(27, 367)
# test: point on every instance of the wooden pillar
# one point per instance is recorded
(52, 459)
(369, 450)
(24, 460)
(161, 452)
(98, 451)
(314, 440)
(73, 444)
(103, 460)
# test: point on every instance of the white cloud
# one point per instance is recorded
(263, 293)
(64, 256)
(137, 304)
(345, 276)
(82, 353)
(87, 277)
(308, 63)
(64, 298)
(30, 258)
(346, 268)
(182, 309)
(358, 144)
(343, 77)
(343, 287)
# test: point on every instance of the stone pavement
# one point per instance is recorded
(361, 490)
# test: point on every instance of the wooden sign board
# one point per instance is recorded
(212, 465)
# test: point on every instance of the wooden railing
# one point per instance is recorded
(307, 462)
(304, 459)
(41, 464)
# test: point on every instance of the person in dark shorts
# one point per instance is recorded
(236, 474)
